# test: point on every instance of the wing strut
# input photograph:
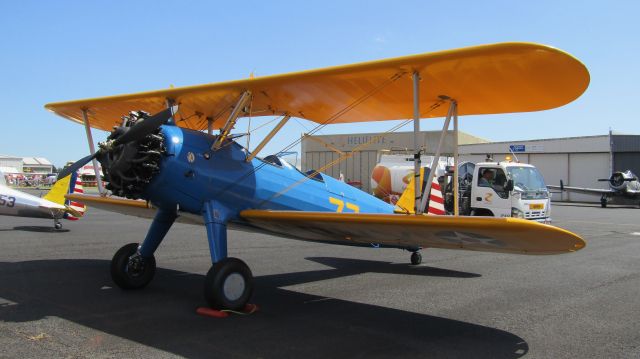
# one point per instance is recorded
(416, 145)
(453, 112)
(209, 125)
(238, 109)
(92, 150)
(268, 137)
(456, 210)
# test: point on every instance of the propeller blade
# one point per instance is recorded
(146, 126)
(76, 166)
(604, 179)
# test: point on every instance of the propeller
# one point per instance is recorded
(623, 179)
(76, 165)
(139, 131)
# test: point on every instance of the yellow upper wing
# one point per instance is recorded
(487, 79)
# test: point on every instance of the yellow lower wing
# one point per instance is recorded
(120, 205)
(504, 235)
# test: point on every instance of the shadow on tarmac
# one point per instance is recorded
(289, 324)
(38, 229)
(349, 266)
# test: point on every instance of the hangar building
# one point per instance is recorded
(28, 165)
(36, 165)
(10, 164)
(319, 151)
(578, 161)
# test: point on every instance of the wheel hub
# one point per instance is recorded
(135, 266)
(234, 286)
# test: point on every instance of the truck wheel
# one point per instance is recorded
(481, 212)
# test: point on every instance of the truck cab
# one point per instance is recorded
(503, 189)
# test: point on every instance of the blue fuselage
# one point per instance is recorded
(192, 173)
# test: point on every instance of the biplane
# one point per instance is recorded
(171, 166)
(53, 205)
(622, 184)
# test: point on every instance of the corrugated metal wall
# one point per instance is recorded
(355, 168)
(578, 161)
(627, 161)
(574, 169)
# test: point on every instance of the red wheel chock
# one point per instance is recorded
(214, 313)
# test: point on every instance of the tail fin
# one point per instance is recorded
(406, 203)
(75, 187)
(69, 184)
(59, 189)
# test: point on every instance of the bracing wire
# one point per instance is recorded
(321, 125)
(317, 128)
(345, 156)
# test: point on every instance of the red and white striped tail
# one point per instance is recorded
(77, 205)
(436, 201)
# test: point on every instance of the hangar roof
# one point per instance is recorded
(36, 161)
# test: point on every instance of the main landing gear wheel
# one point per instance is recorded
(416, 258)
(603, 202)
(57, 225)
(228, 285)
(129, 270)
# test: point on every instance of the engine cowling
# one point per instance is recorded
(129, 168)
(623, 180)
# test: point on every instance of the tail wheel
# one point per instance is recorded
(129, 270)
(228, 285)
(416, 258)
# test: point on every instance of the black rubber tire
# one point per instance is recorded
(481, 212)
(57, 225)
(120, 273)
(214, 284)
(603, 202)
(416, 258)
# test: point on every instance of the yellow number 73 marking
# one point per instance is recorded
(340, 203)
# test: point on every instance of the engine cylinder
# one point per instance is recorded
(129, 168)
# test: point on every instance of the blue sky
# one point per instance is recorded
(53, 51)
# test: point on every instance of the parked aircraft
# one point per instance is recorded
(53, 205)
(621, 184)
(183, 174)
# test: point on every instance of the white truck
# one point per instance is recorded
(500, 189)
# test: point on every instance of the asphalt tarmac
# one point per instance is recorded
(321, 301)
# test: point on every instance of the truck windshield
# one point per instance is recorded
(526, 179)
